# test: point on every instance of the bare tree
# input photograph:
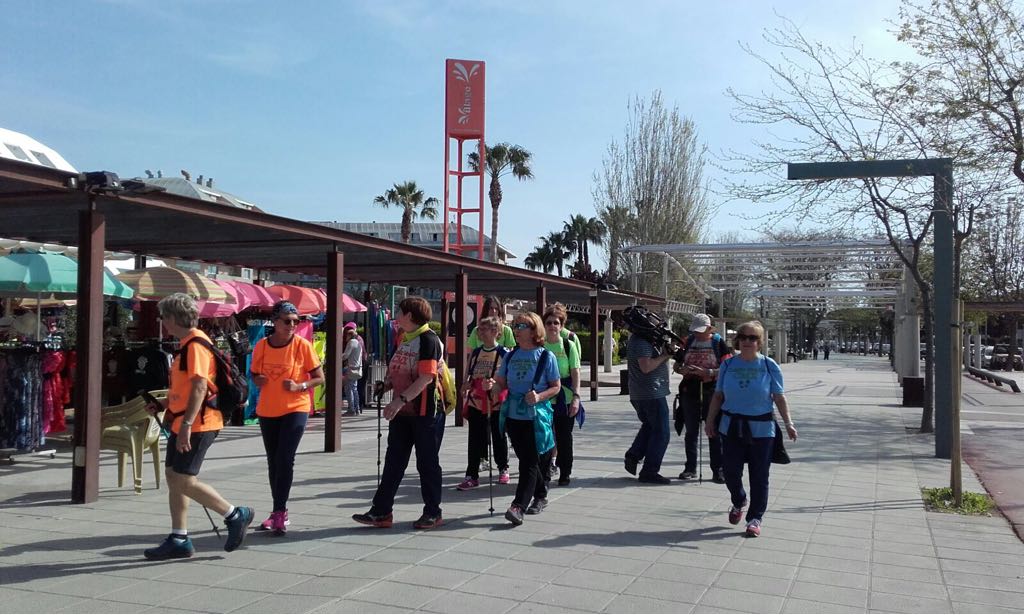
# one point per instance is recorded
(656, 174)
(845, 106)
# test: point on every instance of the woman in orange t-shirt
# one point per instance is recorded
(284, 367)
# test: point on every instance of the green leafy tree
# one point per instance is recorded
(411, 200)
(502, 159)
(620, 230)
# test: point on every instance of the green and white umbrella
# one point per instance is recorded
(27, 274)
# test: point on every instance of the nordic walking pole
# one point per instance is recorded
(210, 517)
(490, 465)
(378, 394)
(700, 437)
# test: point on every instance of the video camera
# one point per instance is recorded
(654, 329)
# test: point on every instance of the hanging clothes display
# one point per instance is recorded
(305, 331)
(320, 392)
(257, 330)
(53, 392)
(148, 369)
(21, 390)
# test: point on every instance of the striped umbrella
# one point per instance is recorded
(245, 295)
(25, 273)
(155, 283)
(306, 300)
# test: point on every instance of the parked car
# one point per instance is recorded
(986, 357)
(1001, 357)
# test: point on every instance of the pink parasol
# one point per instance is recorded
(348, 304)
(306, 300)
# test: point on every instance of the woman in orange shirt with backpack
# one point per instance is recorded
(285, 367)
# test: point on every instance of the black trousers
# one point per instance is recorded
(534, 469)
(477, 442)
(695, 411)
(281, 437)
(562, 425)
(404, 433)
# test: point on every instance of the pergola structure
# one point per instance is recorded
(822, 275)
(88, 211)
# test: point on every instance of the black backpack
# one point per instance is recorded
(232, 387)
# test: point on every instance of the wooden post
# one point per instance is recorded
(595, 323)
(542, 298)
(335, 349)
(461, 291)
(85, 471)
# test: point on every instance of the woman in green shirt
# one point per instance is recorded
(493, 307)
(567, 403)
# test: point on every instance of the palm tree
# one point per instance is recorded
(561, 247)
(540, 258)
(502, 159)
(584, 231)
(410, 199)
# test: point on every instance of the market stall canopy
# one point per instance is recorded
(348, 304)
(306, 300)
(46, 274)
(245, 296)
(155, 283)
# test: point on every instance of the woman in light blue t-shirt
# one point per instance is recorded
(748, 387)
(530, 373)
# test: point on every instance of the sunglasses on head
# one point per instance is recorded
(522, 326)
(740, 337)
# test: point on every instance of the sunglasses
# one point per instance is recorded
(290, 322)
(550, 323)
(741, 337)
(522, 326)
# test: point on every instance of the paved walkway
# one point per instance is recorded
(845, 530)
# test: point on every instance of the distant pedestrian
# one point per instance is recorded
(748, 386)
(815, 351)
(194, 426)
(828, 349)
(352, 372)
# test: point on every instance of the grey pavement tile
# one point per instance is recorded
(216, 599)
(398, 555)
(334, 587)
(157, 593)
(292, 563)
(640, 604)
(987, 596)
(769, 556)
(283, 603)
(816, 592)
(975, 543)
(527, 570)
(363, 570)
(924, 550)
(592, 600)
(860, 554)
(769, 542)
(908, 588)
(398, 594)
(90, 586)
(988, 557)
(666, 590)
(487, 547)
(262, 580)
(355, 606)
(604, 563)
(906, 573)
(995, 570)
(828, 577)
(537, 607)
(760, 569)
(429, 576)
(686, 574)
(894, 603)
(502, 587)
(454, 560)
(592, 579)
(342, 550)
(984, 581)
(550, 556)
(745, 582)
(453, 602)
(740, 601)
(968, 607)
(197, 573)
(900, 559)
(797, 605)
(834, 563)
(694, 558)
(99, 606)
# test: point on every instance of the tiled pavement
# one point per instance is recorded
(845, 531)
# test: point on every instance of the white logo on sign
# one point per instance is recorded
(461, 74)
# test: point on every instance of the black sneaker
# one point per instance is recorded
(718, 477)
(563, 481)
(427, 522)
(514, 514)
(171, 548)
(537, 506)
(238, 525)
(687, 474)
(630, 464)
(656, 479)
(369, 518)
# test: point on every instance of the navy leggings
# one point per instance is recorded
(281, 437)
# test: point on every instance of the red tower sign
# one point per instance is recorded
(463, 121)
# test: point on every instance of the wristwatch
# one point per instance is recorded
(305, 386)
(187, 423)
(403, 398)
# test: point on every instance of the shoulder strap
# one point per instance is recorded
(542, 366)
(183, 364)
(565, 346)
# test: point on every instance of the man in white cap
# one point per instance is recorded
(704, 352)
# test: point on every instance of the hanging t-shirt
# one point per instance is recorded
(293, 361)
(418, 353)
(199, 362)
(748, 387)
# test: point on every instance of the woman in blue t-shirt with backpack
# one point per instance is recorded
(530, 373)
(748, 386)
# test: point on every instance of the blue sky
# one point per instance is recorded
(310, 109)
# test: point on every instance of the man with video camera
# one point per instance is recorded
(647, 364)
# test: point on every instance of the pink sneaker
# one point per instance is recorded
(467, 484)
(280, 523)
(268, 525)
(736, 513)
(503, 478)
(754, 528)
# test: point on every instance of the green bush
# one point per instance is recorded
(617, 336)
(941, 499)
